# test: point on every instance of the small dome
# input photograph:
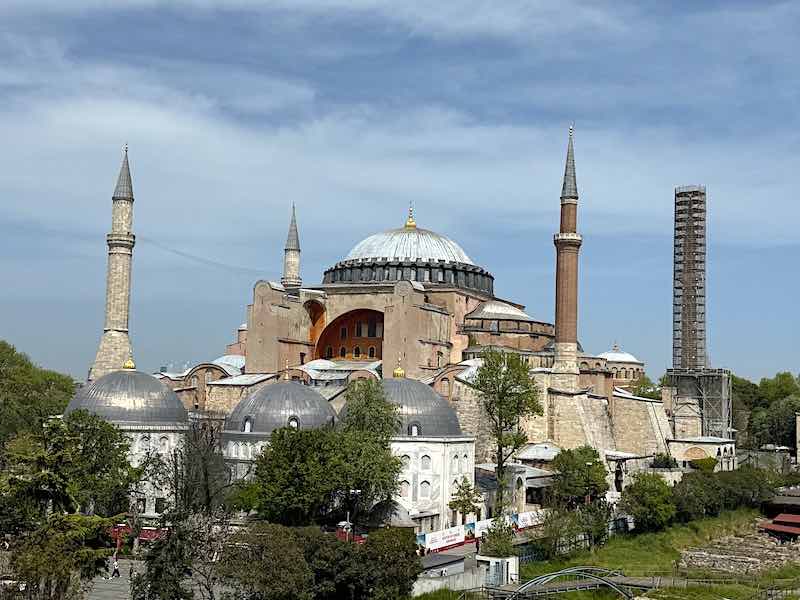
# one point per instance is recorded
(615, 355)
(129, 396)
(420, 405)
(409, 243)
(279, 405)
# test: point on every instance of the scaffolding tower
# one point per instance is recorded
(701, 404)
(689, 279)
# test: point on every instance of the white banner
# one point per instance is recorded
(445, 538)
(530, 519)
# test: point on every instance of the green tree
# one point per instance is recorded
(747, 392)
(368, 410)
(594, 518)
(466, 499)
(579, 474)
(697, 495)
(338, 567)
(645, 388)
(391, 556)
(29, 395)
(266, 562)
(561, 529)
(509, 394)
(296, 476)
(649, 500)
(781, 386)
(498, 541)
(59, 560)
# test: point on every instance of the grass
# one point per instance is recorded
(649, 553)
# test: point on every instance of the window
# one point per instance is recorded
(414, 429)
(194, 381)
(144, 444)
(342, 352)
(329, 352)
(425, 489)
(141, 505)
(302, 358)
(445, 387)
(357, 352)
(372, 328)
(161, 504)
(379, 330)
(207, 376)
(406, 460)
(371, 352)
(425, 462)
(359, 331)
(455, 464)
(294, 422)
(404, 488)
(163, 445)
(343, 333)
(247, 426)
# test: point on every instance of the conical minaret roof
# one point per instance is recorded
(293, 239)
(569, 190)
(124, 187)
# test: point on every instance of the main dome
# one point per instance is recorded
(409, 243)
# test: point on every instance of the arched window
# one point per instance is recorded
(163, 444)
(194, 381)
(144, 443)
(446, 387)
(342, 352)
(455, 464)
(404, 488)
(425, 462)
(329, 352)
(371, 352)
(425, 489)
(247, 425)
(207, 375)
(357, 352)
(406, 460)
(466, 463)
(414, 429)
(294, 422)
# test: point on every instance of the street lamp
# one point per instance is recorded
(588, 498)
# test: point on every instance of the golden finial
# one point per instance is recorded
(286, 371)
(410, 222)
(399, 373)
(129, 365)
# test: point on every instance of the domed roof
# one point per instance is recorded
(129, 396)
(418, 404)
(409, 243)
(617, 355)
(272, 406)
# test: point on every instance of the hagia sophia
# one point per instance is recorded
(407, 307)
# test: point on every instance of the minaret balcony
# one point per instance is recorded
(567, 239)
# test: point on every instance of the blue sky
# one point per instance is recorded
(234, 109)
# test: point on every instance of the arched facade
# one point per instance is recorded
(352, 336)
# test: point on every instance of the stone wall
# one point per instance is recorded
(748, 554)
(224, 398)
(640, 426)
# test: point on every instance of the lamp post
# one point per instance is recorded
(588, 498)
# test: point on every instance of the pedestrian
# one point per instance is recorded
(115, 573)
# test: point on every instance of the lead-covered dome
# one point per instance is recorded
(422, 411)
(409, 243)
(410, 254)
(284, 404)
(129, 396)
(617, 355)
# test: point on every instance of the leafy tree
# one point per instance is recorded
(561, 527)
(645, 388)
(391, 556)
(466, 499)
(498, 540)
(779, 387)
(509, 394)
(339, 570)
(579, 474)
(368, 410)
(649, 500)
(594, 518)
(29, 395)
(747, 392)
(59, 560)
(663, 461)
(697, 495)
(296, 476)
(265, 562)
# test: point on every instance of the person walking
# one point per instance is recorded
(115, 572)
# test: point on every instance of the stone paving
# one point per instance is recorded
(116, 588)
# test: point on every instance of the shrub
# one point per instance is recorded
(707, 465)
(649, 500)
(664, 461)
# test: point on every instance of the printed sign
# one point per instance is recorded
(445, 538)
(528, 519)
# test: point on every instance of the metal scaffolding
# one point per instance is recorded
(689, 279)
(701, 404)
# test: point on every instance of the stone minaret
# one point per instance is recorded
(568, 243)
(115, 346)
(291, 256)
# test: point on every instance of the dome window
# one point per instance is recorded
(247, 425)
(414, 430)
(294, 422)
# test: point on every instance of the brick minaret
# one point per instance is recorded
(115, 346)
(568, 243)
(291, 256)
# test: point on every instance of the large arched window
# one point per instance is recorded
(456, 468)
(425, 462)
(371, 352)
(425, 489)
(357, 352)
(404, 488)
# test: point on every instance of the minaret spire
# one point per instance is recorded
(291, 255)
(568, 242)
(114, 351)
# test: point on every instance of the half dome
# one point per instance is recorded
(129, 396)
